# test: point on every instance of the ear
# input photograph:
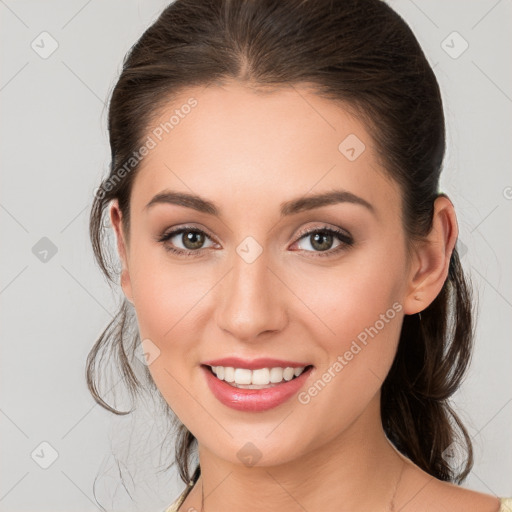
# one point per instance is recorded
(122, 248)
(431, 258)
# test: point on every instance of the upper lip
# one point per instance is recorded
(254, 364)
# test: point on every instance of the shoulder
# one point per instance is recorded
(424, 493)
(467, 499)
(506, 505)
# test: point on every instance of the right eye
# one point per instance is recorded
(192, 240)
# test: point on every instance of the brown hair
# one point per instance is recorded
(359, 52)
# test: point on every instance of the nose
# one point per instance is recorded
(250, 300)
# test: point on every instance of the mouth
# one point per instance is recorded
(252, 390)
(260, 378)
(255, 385)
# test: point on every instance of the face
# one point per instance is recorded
(271, 273)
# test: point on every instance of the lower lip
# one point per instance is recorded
(254, 400)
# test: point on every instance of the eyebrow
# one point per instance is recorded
(290, 207)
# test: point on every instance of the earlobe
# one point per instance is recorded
(116, 222)
(432, 258)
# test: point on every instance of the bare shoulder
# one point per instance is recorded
(467, 499)
(423, 493)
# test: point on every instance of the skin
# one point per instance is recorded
(248, 152)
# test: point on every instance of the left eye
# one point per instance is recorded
(321, 240)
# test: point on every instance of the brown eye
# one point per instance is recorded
(193, 239)
(321, 241)
(185, 241)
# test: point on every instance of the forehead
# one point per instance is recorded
(259, 148)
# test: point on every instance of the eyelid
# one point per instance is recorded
(175, 230)
(324, 227)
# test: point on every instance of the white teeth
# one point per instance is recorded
(242, 375)
(253, 379)
(276, 375)
(260, 377)
(288, 373)
(229, 374)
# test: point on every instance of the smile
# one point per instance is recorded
(261, 378)
(258, 389)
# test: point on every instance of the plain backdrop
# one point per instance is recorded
(59, 62)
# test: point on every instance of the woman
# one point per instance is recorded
(274, 191)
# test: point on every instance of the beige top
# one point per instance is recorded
(506, 503)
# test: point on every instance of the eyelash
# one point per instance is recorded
(345, 239)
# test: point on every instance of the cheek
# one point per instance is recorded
(358, 360)
(358, 294)
(172, 304)
(362, 306)
(164, 293)
(167, 307)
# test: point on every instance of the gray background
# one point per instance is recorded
(53, 306)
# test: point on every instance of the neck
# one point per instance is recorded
(354, 471)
